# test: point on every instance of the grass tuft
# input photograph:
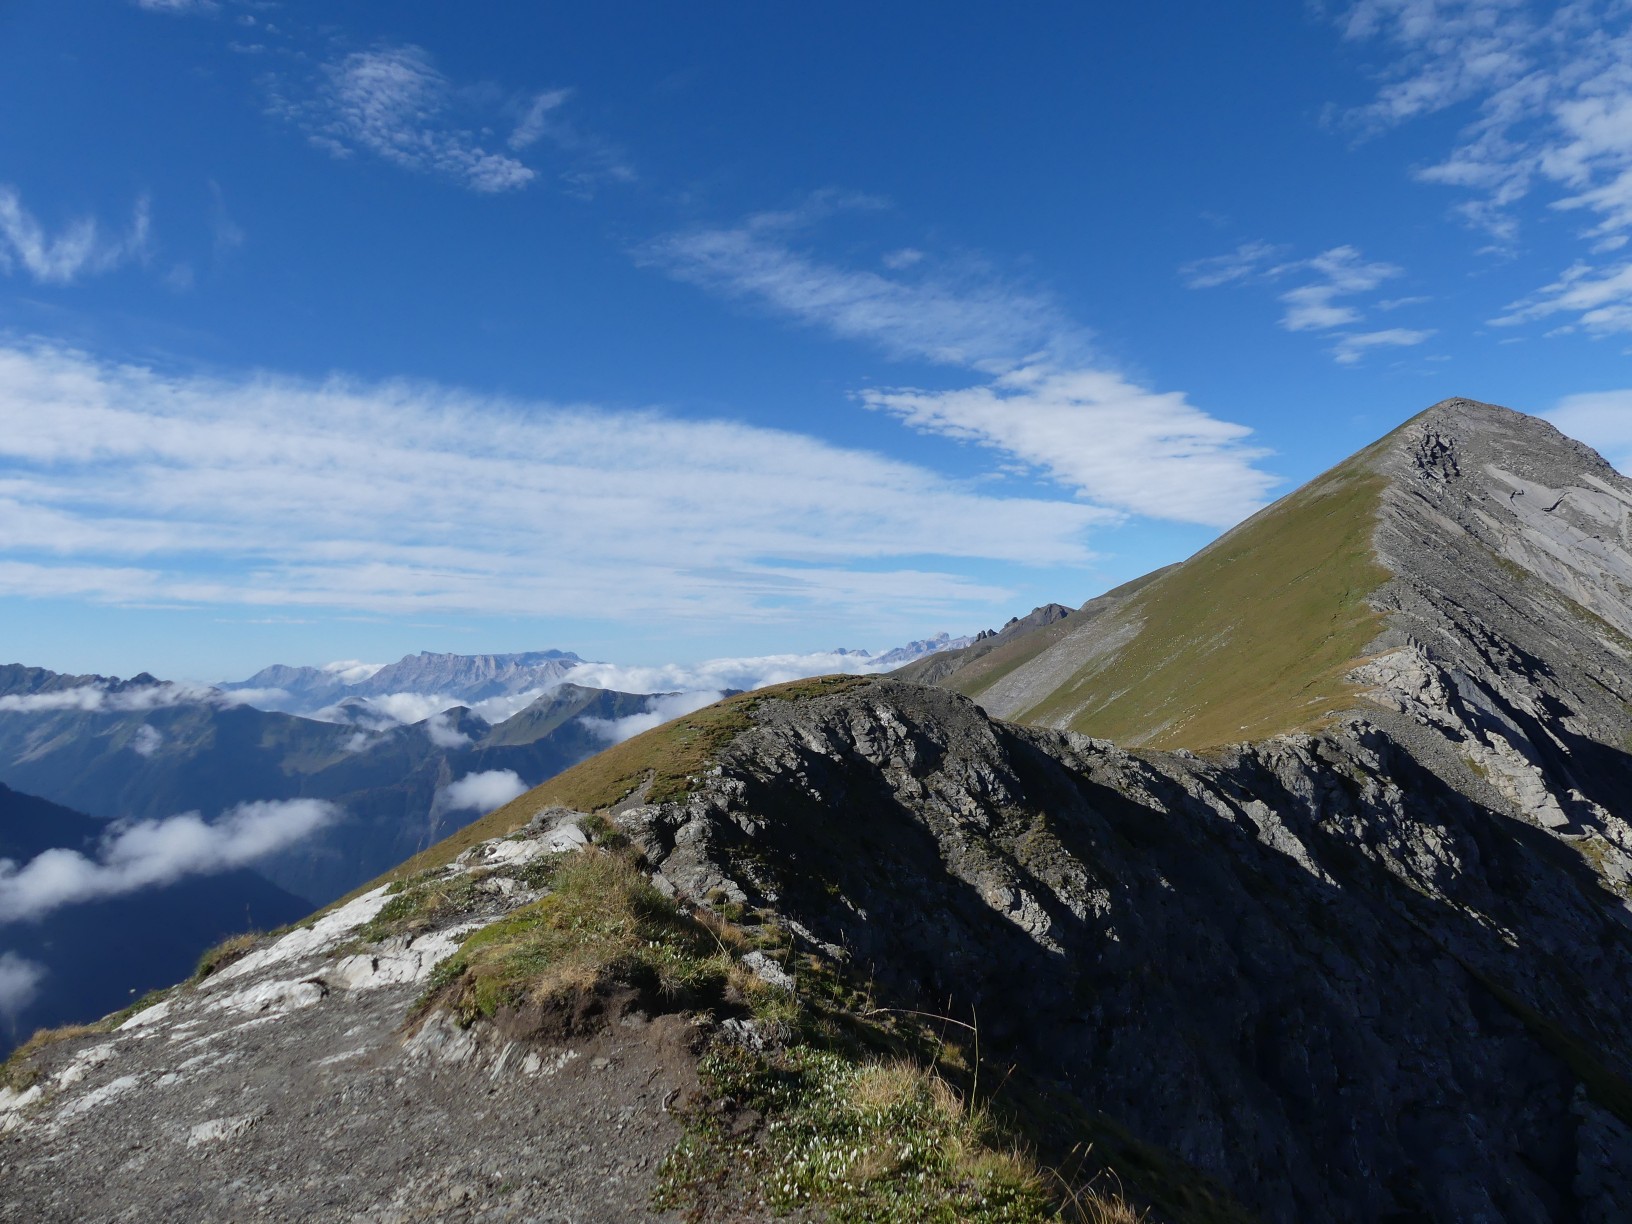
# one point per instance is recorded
(225, 953)
(603, 926)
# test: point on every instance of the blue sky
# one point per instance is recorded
(662, 332)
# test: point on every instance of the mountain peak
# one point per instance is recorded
(1431, 535)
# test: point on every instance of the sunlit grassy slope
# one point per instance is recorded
(981, 673)
(1251, 637)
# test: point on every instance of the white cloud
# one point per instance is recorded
(19, 984)
(969, 319)
(1246, 262)
(146, 741)
(100, 698)
(1601, 419)
(1351, 347)
(351, 671)
(659, 710)
(152, 853)
(178, 6)
(122, 484)
(442, 733)
(1341, 272)
(535, 119)
(79, 249)
(1049, 404)
(1111, 441)
(716, 674)
(1601, 300)
(1551, 88)
(483, 792)
(393, 102)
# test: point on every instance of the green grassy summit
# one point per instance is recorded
(1251, 637)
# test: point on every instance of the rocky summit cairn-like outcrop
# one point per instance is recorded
(856, 948)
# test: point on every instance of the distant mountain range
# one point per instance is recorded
(145, 756)
(464, 678)
(396, 750)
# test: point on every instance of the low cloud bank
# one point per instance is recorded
(19, 984)
(658, 711)
(483, 792)
(401, 709)
(443, 733)
(102, 699)
(713, 675)
(352, 671)
(152, 853)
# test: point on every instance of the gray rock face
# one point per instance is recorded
(1313, 970)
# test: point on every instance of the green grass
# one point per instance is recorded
(881, 1142)
(20, 1071)
(602, 926)
(980, 674)
(1251, 637)
(225, 953)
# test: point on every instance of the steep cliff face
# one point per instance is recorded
(1375, 969)
(1312, 969)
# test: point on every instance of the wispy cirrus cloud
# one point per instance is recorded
(152, 853)
(1106, 438)
(1326, 302)
(950, 316)
(1600, 299)
(1341, 272)
(78, 249)
(178, 6)
(1047, 401)
(1352, 346)
(1247, 261)
(123, 484)
(395, 103)
(1550, 88)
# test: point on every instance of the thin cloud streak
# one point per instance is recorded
(948, 319)
(1105, 438)
(1324, 304)
(1551, 86)
(393, 102)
